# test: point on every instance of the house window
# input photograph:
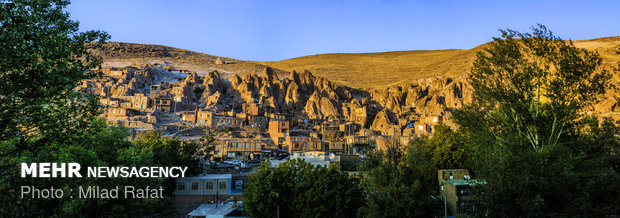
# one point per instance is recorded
(463, 191)
(142, 106)
(199, 122)
(222, 185)
(247, 145)
(257, 145)
(466, 207)
(209, 185)
(181, 186)
(194, 186)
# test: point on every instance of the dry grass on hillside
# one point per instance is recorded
(375, 70)
(362, 70)
(379, 70)
(117, 54)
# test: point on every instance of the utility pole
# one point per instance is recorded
(445, 202)
(278, 211)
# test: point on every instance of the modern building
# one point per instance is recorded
(316, 158)
(456, 192)
(210, 185)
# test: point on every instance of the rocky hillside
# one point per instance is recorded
(382, 70)
(390, 76)
(317, 98)
(120, 54)
(387, 84)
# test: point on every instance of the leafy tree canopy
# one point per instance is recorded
(400, 184)
(532, 143)
(43, 119)
(298, 189)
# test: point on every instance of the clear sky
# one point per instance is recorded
(282, 29)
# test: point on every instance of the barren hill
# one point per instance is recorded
(378, 74)
(377, 70)
(380, 70)
(120, 54)
(356, 70)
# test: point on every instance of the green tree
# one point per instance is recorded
(43, 119)
(43, 57)
(169, 151)
(532, 144)
(206, 148)
(447, 148)
(299, 189)
(400, 184)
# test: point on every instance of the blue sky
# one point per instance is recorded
(277, 29)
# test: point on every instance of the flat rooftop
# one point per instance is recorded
(211, 176)
(464, 182)
(210, 210)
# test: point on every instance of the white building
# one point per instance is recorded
(316, 158)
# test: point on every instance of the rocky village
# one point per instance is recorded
(338, 109)
(262, 115)
(254, 117)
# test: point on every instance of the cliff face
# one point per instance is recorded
(430, 96)
(303, 94)
(299, 93)
(368, 79)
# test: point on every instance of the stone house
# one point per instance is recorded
(250, 148)
(349, 128)
(114, 72)
(335, 146)
(278, 130)
(189, 116)
(304, 143)
(204, 118)
(163, 103)
(118, 113)
(140, 102)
